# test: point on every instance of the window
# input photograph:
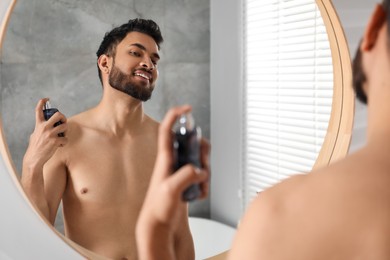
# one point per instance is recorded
(288, 89)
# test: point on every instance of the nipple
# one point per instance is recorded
(84, 190)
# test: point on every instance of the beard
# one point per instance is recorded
(359, 77)
(122, 82)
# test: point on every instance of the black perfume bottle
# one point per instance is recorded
(187, 149)
(48, 111)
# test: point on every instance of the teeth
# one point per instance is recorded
(142, 75)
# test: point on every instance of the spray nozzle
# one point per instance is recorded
(185, 121)
(47, 105)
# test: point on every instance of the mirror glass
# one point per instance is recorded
(49, 51)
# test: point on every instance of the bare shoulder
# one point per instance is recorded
(83, 119)
(260, 232)
(310, 216)
(276, 201)
(76, 125)
(151, 123)
(283, 220)
(82, 124)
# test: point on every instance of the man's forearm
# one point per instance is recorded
(154, 242)
(184, 247)
(33, 184)
(184, 243)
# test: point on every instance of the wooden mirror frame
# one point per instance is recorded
(336, 142)
(339, 134)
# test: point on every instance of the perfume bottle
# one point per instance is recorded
(48, 111)
(186, 146)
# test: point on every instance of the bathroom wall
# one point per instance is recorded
(226, 196)
(49, 51)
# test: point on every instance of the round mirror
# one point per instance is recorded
(50, 52)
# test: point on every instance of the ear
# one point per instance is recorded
(377, 20)
(104, 63)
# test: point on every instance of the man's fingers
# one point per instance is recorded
(205, 160)
(62, 128)
(57, 129)
(56, 117)
(205, 154)
(39, 110)
(165, 153)
(165, 131)
(184, 177)
(204, 187)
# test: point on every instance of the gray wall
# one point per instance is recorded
(49, 51)
(226, 110)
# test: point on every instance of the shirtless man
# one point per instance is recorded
(102, 167)
(338, 212)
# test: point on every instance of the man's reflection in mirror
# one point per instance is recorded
(101, 168)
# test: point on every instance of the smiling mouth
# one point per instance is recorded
(143, 75)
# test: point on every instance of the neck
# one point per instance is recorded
(120, 112)
(378, 123)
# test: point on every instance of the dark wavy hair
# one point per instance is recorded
(386, 6)
(116, 35)
(359, 76)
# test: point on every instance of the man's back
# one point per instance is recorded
(339, 212)
(107, 176)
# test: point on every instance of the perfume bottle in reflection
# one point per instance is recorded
(186, 146)
(48, 112)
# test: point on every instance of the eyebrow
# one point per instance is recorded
(139, 45)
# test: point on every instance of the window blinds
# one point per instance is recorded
(288, 90)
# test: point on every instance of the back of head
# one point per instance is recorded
(116, 35)
(386, 6)
(359, 75)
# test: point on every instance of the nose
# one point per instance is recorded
(147, 64)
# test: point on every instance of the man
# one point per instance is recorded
(338, 212)
(102, 166)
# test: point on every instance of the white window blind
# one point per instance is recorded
(288, 90)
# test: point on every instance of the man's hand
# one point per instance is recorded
(44, 141)
(160, 213)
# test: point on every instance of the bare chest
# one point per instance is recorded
(108, 171)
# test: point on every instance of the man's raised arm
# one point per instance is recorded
(44, 142)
